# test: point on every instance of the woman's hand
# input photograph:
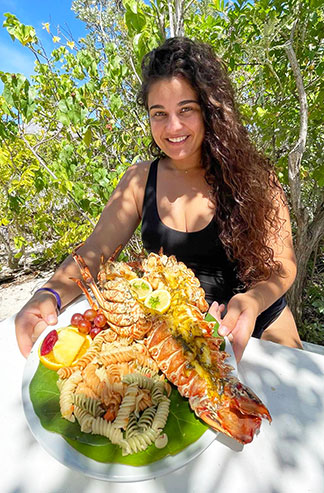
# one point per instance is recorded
(239, 321)
(33, 318)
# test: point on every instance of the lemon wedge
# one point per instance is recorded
(70, 346)
(141, 288)
(158, 301)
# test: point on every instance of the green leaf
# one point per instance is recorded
(87, 137)
(20, 241)
(182, 428)
(131, 5)
(135, 22)
(318, 175)
(115, 102)
(210, 318)
(17, 30)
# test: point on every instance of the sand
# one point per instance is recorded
(15, 294)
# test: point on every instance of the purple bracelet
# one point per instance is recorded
(57, 296)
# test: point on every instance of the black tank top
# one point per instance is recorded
(202, 250)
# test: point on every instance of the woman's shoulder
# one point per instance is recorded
(136, 176)
(140, 169)
(137, 173)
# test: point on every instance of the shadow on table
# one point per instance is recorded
(298, 409)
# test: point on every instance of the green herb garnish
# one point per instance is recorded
(154, 301)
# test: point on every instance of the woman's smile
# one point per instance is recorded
(177, 140)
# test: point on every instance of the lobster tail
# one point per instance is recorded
(245, 400)
(229, 418)
(229, 421)
(227, 405)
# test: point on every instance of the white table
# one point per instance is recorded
(285, 457)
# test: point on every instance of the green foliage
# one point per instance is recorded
(17, 30)
(18, 95)
(58, 172)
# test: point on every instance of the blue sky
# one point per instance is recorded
(16, 58)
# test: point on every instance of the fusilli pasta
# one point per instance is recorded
(115, 390)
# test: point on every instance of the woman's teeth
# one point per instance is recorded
(178, 139)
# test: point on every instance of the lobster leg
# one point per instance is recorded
(83, 288)
(115, 253)
(88, 278)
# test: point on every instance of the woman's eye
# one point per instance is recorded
(158, 114)
(186, 109)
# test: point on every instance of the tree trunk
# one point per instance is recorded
(303, 248)
(307, 238)
(12, 260)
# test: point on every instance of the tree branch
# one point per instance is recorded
(160, 18)
(188, 6)
(296, 153)
(171, 20)
(179, 17)
(134, 70)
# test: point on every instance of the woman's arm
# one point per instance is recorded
(115, 227)
(244, 308)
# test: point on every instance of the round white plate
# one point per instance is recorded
(56, 446)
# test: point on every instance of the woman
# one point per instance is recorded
(210, 198)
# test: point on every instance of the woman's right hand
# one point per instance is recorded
(39, 312)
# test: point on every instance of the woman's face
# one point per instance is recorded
(176, 120)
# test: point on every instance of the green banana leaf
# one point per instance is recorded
(182, 428)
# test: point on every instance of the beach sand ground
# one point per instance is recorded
(14, 294)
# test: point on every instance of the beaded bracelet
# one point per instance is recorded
(57, 296)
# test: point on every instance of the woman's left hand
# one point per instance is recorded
(239, 321)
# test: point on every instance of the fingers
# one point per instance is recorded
(240, 336)
(25, 344)
(216, 311)
(48, 309)
(32, 319)
(213, 309)
(24, 329)
(238, 323)
(228, 323)
(38, 329)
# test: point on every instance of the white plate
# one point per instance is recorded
(56, 446)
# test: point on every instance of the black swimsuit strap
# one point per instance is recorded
(150, 212)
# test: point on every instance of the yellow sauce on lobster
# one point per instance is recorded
(188, 333)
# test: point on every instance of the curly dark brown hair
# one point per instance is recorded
(244, 186)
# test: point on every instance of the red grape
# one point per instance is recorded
(48, 342)
(100, 320)
(94, 331)
(84, 326)
(90, 314)
(76, 319)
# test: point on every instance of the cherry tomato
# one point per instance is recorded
(90, 314)
(100, 320)
(76, 319)
(84, 326)
(94, 331)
